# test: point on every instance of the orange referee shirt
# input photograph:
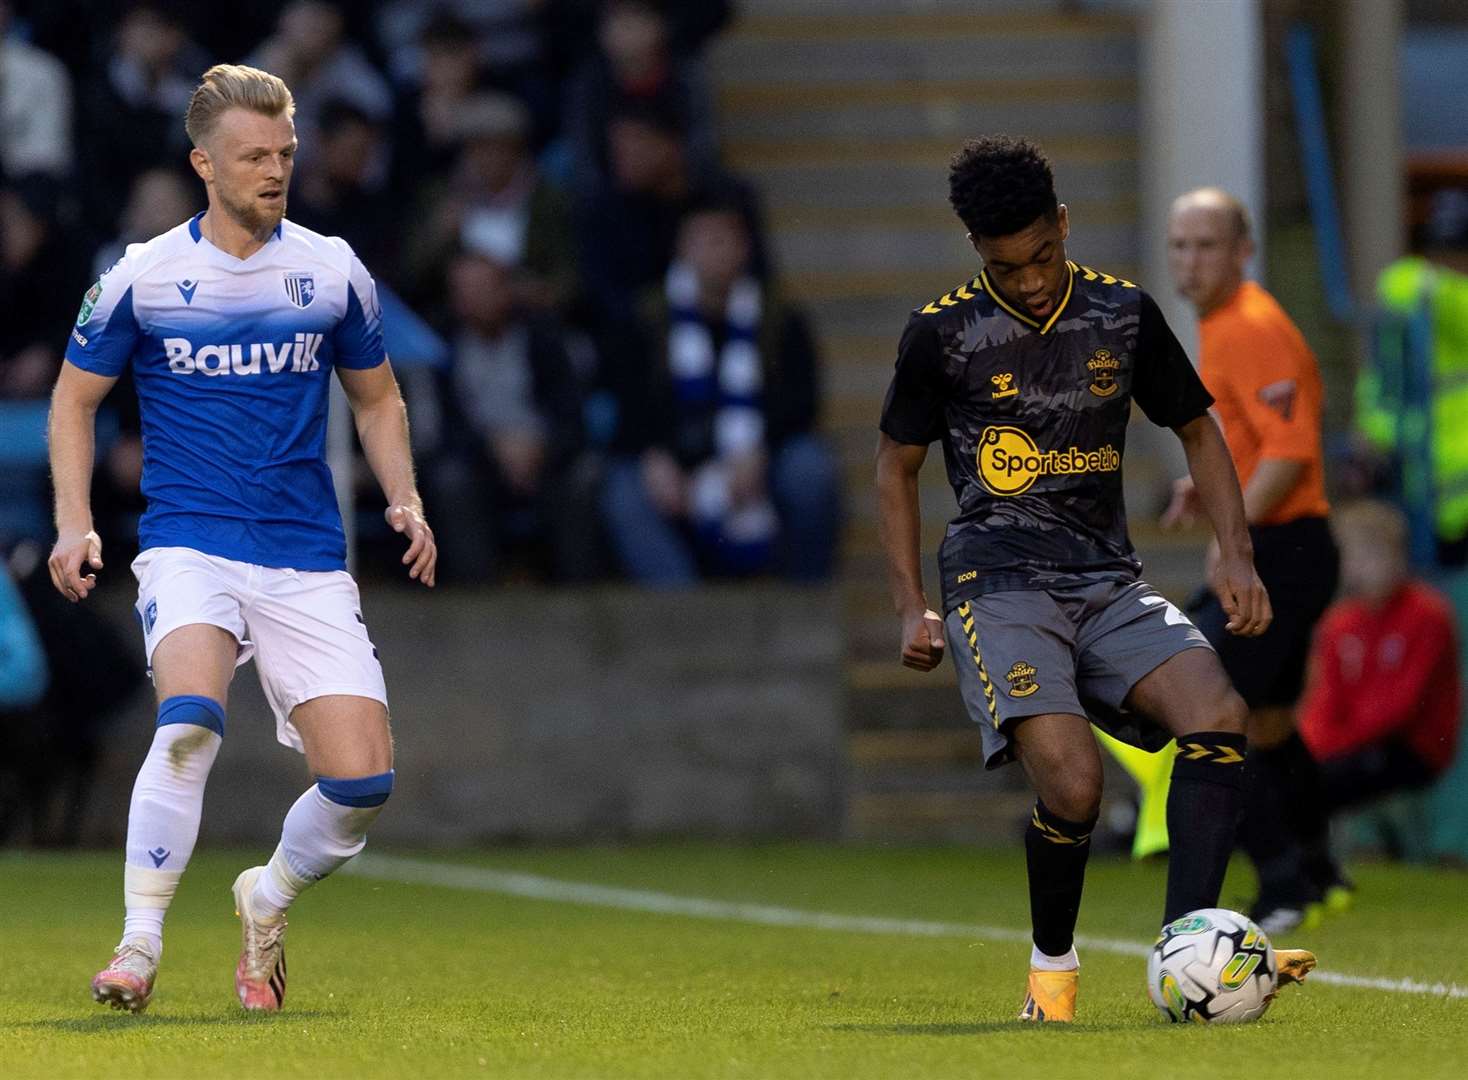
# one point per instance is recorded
(1264, 378)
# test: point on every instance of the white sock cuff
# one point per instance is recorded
(1043, 962)
(291, 880)
(144, 887)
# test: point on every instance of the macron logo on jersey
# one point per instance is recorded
(256, 358)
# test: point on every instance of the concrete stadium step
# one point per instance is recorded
(862, 149)
(872, 110)
(740, 99)
(915, 48)
(848, 9)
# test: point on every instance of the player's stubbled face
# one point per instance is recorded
(253, 156)
(1028, 266)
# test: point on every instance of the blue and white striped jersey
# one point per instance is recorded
(232, 360)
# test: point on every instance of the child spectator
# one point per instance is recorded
(1381, 708)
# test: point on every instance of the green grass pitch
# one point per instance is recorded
(422, 981)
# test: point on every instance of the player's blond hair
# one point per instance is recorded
(227, 86)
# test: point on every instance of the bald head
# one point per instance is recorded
(1216, 201)
(1209, 243)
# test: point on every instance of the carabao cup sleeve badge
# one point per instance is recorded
(89, 304)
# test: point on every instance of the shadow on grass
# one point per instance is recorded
(112, 1022)
(992, 1027)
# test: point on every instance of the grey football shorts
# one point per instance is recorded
(1077, 650)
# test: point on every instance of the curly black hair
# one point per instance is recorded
(1000, 184)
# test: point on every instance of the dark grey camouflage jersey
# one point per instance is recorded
(1033, 422)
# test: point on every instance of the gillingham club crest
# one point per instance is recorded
(300, 288)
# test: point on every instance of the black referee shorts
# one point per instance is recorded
(1299, 566)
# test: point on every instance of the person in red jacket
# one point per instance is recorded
(1381, 707)
(1383, 698)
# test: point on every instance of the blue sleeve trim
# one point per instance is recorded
(358, 342)
(193, 709)
(359, 792)
(110, 346)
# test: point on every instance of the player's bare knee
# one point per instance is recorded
(1221, 711)
(369, 758)
(1078, 799)
(1073, 790)
(1230, 714)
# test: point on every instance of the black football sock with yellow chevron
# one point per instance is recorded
(1055, 853)
(1202, 818)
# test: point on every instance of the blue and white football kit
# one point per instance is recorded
(232, 362)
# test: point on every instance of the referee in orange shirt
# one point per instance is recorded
(1268, 394)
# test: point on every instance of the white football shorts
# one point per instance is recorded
(303, 627)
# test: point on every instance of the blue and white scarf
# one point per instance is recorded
(730, 380)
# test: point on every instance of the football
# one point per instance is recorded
(1212, 966)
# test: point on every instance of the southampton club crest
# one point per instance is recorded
(300, 288)
(1103, 367)
(1021, 679)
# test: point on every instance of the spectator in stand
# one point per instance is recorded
(336, 195)
(309, 50)
(446, 75)
(505, 41)
(572, 27)
(720, 469)
(40, 272)
(35, 108)
(633, 65)
(128, 122)
(500, 436)
(1381, 708)
(629, 230)
(496, 203)
(160, 199)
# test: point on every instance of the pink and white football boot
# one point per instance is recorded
(259, 977)
(127, 982)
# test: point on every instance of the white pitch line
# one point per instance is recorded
(535, 887)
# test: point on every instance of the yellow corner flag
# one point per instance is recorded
(1153, 774)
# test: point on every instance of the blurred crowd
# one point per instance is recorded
(629, 393)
